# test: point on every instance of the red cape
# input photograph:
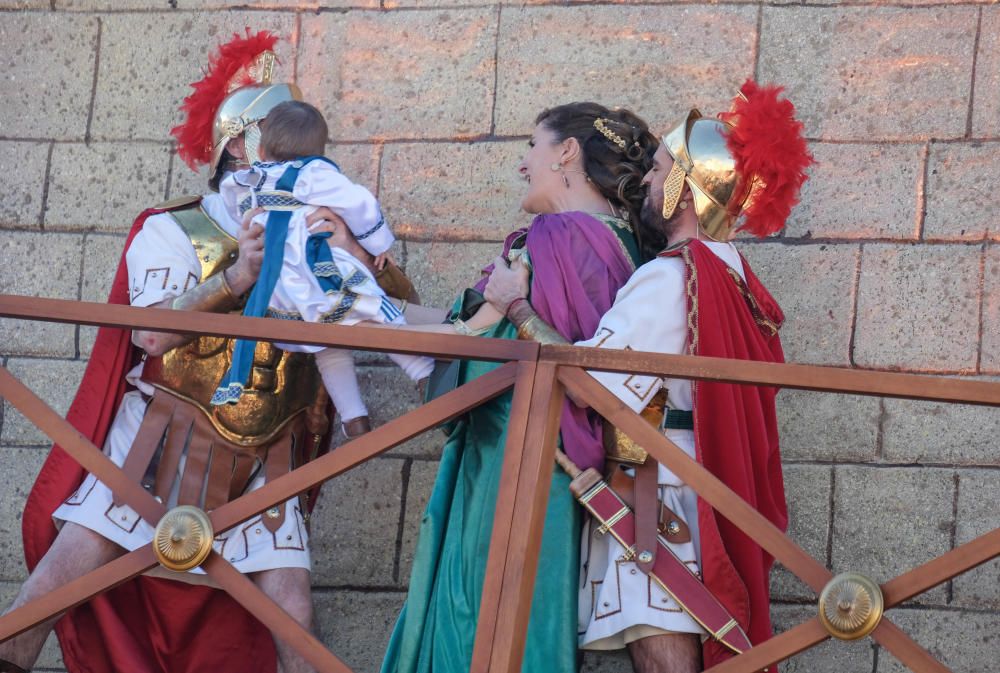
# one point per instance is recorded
(145, 625)
(736, 434)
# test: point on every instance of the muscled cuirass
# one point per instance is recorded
(282, 384)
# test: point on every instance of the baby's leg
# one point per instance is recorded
(336, 366)
(417, 367)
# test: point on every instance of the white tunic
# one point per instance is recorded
(162, 264)
(618, 603)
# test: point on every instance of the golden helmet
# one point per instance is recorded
(242, 111)
(749, 162)
(232, 98)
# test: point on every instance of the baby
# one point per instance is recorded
(302, 278)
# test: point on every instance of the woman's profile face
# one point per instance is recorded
(544, 150)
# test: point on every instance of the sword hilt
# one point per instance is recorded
(568, 466)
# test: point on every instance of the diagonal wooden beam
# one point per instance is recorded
(943, 568)
(78, 591)
(367, 446)
(281, 624)
(79, 447)
(802, 377)
(707, 486)
(912, 655)
(780, 647)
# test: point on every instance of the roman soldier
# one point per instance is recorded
(700, 297)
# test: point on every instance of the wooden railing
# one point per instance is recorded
(540, 377)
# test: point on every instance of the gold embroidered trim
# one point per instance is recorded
(692, 293)
(767, 326)
(610, 222)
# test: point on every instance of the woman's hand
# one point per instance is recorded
(507, 283)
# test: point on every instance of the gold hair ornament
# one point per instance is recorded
(601, 125)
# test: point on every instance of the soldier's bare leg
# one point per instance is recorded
(291, 589)
(75, 552)
(668, 653)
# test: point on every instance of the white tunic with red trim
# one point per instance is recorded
(162, 263)
(618, 603)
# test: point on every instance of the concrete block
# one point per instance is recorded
(354, 526)
(273, 4)
(978, 514)
(360, 163)
(961, 201)
(442, 271)
(918, 307)
(39, 265)
(986, 106)
(24, 165)
(965, 642)
(855, 78)
(889, 520)
(134, 177)
(356, 625)
(832, 656)
(454, 191)
(389, 394)
(637, 57)
(435, 82)
(813, 284)
(931, 432)
(422, 476)
(101, 254)
(827, 426)
(55, 381)
(859, 191)
(183, 180)
(807, 490)
(142, 81)
(48, 74)
(990, 344)
(18, 469)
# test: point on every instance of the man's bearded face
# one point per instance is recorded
(651, 213)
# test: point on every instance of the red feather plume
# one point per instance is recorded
(227, 70)
(768, 144)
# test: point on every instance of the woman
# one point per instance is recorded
(583, 167)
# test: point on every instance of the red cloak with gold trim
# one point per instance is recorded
(146, 625)
(736, 433)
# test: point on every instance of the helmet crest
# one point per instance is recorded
(239, 62)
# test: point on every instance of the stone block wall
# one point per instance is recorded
(890, 263)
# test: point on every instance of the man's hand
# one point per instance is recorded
(507, 283)
(325, 220)
(243, 274)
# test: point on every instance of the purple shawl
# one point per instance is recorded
(578, 265)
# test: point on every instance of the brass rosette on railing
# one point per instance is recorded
(183, 538)
(850, 606)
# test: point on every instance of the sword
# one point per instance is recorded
(668, 571)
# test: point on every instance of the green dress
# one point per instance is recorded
(436, 629)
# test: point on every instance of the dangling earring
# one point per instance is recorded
(559, 167)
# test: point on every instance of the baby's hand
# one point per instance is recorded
(380, 260)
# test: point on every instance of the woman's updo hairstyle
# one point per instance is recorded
(617, 152)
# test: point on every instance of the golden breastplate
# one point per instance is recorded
(282, 384)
